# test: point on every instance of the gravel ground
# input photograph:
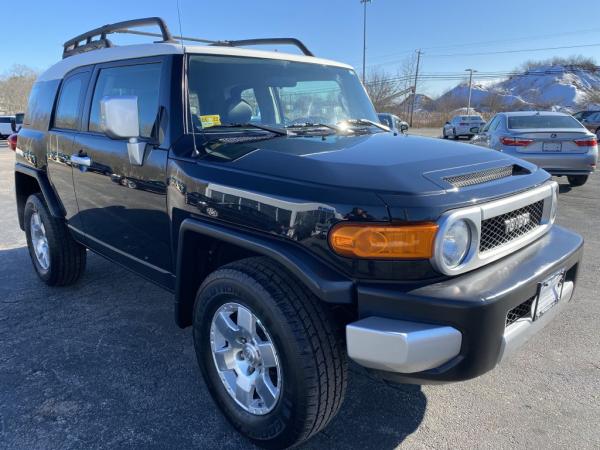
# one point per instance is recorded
(102, 365)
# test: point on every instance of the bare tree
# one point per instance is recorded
(383, 89)
(493, 103)
(389, 92)
(15, 86)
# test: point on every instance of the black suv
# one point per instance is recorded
(292, 228)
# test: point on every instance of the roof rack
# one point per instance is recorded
(75, 45)
(239, 43)
(262, 41)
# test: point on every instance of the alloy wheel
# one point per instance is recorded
(245, 358)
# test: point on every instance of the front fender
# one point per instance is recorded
(324, 282)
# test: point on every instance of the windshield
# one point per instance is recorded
(226, 90)
(542, 121)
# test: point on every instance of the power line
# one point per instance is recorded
(491, 42)
(515, 51)
(449, 76)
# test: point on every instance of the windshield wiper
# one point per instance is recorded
(279, 131)
(312, 125)
(366, 122)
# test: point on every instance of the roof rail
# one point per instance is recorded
(239, 43)
(261, 41)
(75, 46)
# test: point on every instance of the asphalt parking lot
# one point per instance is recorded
(102, 365)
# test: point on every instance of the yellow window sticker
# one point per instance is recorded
(210, 120)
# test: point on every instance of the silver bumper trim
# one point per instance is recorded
(401, 346)
(520, 331)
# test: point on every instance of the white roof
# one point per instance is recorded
(60, 69)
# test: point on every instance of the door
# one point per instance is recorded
(123, 205)
(65, 124)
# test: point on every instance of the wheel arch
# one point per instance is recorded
(30, 181)
(204, 246)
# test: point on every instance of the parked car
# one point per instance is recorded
(590, 120)
(7, 124)
(554, 141)
(462, 126)
(423, 269)
(12, 141)
(393, 122)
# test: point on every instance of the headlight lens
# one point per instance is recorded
(456, 243)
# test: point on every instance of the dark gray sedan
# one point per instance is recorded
(554, 141)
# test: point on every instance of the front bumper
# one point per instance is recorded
(455, 329)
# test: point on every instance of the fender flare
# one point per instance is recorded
(52, 201)
(327, 284)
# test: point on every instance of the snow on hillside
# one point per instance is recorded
(549, 86)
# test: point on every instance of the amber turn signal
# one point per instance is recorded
(356, 240)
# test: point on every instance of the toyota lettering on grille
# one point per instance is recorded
(517, 222)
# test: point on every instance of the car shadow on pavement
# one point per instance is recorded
(374, 415)
(564, 188)
(102, 364)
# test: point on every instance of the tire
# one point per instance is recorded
(65, 258)
(454, 136)
(577, 180)
(444, 135)
(308, 344)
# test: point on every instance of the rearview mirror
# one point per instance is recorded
(120, 119)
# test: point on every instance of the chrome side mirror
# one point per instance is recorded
(403, 127)
(120, 119)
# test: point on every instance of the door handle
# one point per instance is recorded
(81, 160)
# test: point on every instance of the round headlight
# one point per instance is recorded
(456, 243)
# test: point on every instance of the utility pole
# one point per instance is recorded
(364, 2)
(414, 98)
(470, 86)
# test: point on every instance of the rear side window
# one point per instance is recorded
(5, 119)
(69, 102)
(142, 81)
(541, 121)
(41, 102)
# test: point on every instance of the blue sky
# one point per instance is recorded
(333, 29)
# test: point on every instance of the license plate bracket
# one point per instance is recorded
(552, 146)
(549, 294)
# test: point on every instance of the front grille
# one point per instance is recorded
(494, 231)
(520, 311)
(483, 176)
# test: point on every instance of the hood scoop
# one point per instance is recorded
(461, 177)
(483, 176)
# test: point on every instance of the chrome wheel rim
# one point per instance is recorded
(39, 241)
(245, 358)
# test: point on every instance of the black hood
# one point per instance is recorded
(382, 163)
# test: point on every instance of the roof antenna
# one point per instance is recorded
(195, 152)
